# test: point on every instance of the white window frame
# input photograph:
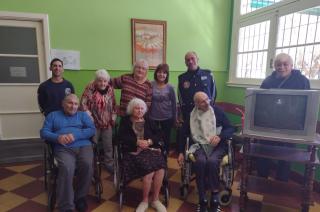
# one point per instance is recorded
(271, 13)
(44, 20)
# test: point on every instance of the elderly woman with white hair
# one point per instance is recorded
(98, 100)
(133, 85)
(142, 157)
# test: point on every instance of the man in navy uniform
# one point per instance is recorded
(192, 81)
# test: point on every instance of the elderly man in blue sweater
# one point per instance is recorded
(69, 131)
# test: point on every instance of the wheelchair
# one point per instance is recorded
(226, 174)
(51, 174)
(118, 174)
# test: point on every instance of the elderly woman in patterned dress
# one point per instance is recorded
(99, 102)
(142, 156)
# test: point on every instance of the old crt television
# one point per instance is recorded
(281, 113)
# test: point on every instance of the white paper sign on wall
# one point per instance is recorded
(70, 58)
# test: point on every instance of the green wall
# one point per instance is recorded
(101, 31)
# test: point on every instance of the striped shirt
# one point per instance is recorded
(131, 89)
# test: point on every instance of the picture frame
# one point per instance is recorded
(149, 41)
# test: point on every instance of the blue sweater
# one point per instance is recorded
(58, 123)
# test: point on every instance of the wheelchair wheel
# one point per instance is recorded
(51, 192)
(225, 197)
(229, 169)
(98, 188)
(184, 191)
(45, 168)
(116, 174)
(166, 196)
(120, 200)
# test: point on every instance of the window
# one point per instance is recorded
(264, 28)
(19, 52)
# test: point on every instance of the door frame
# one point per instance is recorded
(43, 20)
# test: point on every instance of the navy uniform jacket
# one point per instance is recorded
(191, 82)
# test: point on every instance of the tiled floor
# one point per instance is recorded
(21, 190)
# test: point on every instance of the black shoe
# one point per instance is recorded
(81, 205)
(203, 206)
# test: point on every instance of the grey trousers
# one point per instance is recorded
(105, 136)
(207, 170)
(69, 159)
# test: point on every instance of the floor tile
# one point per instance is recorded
(22, 168)
(30, 190)
(41, 198)
(21, 189)
(36, 172)
(29, 206)
(4, 173)
(15, 181)
(10, 200)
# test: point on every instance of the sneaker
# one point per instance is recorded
(158, 206)
(142, 207)
(81, 204)
(203, 206)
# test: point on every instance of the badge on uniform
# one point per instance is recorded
(186, 84)
(204, 77)
(67, 91)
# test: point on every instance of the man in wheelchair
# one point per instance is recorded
(69, 132)
(209, 128)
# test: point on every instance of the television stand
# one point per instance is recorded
(249, 183)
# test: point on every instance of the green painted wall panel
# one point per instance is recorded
(101, 31)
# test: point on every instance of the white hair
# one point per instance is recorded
(283, 56)
(142, 62)
(136, 102)
(102, 73)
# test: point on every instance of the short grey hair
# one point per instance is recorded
(102, 73)
(191, 52)
(141, 62)
(135, 102)
(283, 56)
(70, 96)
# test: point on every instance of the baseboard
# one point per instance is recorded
(13, 151)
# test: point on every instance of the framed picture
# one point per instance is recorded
(149, 41)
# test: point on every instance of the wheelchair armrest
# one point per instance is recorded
(162, 148)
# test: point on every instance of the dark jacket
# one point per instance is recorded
(295, 81)
(190, 83)
(128, 139)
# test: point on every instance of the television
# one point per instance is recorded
(281, 114)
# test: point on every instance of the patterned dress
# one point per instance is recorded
(137, 163)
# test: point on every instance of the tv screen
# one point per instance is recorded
(280, 111)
